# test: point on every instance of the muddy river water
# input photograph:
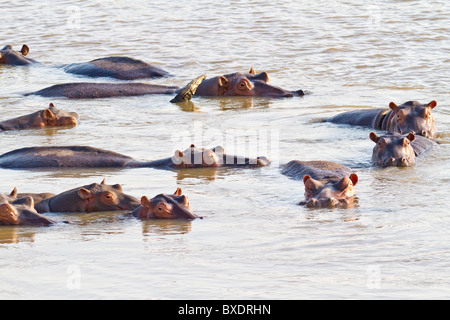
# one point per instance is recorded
(255, 241)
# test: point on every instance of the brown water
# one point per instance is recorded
(254, 242)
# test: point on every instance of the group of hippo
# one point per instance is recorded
(409, 130)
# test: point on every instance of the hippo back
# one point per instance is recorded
(63, 157)
(319, 170)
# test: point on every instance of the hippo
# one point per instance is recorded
(244, 84)
(123, 68)
(50, 117)
(410, 116)
(89, 157)
(236, 84)
(394, 149)
(21, 212)
(11, 57)
(90, 198)
(327, 184)
(165, 206)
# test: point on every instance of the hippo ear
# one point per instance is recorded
(393, 106)
(373, 136)
(145, 202)
(49, 115)
(103, 181)
(354, 178)
(252, 71)
(25, 50)
(179, 192)
(411, 136)
(432, 104)
(223, 81)
(14, 192)
(85, 194)
(28, 201)
(118, 187)
(219, 150)
(184, 200)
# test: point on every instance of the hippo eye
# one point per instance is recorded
(242, 85)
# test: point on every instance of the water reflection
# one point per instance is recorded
(154, 227)
(16, 234)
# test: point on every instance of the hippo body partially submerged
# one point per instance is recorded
(123, 68)
(50, 117)
(410, 116)
(89, 157)
(244, 84)
(393, 149)
(8, 56)
(90, 198)
(236, 84)
(165, 206)
(14, 211)
(87, 90)
(327, 184)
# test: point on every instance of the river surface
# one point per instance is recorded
(255, 241)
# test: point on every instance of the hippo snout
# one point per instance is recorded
(327, 203)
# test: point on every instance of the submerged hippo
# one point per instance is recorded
(165, 206)
(9, 56)
(91, 198)
(327, 184)
(50, 117)
(410, 116)
(88, 157)
(21, 212)
(236, 84)
(123, 68)
(394, 149)
(244, 84)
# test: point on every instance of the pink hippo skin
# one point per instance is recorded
(165, 206)
(50, 117)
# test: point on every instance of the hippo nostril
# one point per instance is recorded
(333, 202)
(313, 203)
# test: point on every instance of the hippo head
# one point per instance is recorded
(194, 157)
(329, 194)
(103, 197)
(53, 117)
(393, 149)
(22, 212)
(92, 198)
(244, 84)
(414, 116)
(163, 206)
(10, 57)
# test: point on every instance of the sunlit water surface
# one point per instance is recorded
(255, 241)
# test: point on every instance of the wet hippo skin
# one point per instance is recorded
(9, 56)
(327, 184)
(50, 117)
(90, 198)
(394, 149)
(165, 206)
(123, 68)
(89, 157)
(410, 116)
